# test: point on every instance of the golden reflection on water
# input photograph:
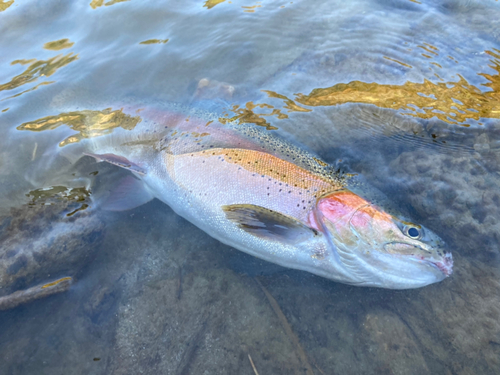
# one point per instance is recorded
(5, 4)
(58, 44)
(289, 103)
(99, 3)
(252, 8)
(31, 89)
(36, 69)
(398, 62)
(50, 195)
(209, 4)
(46, 196)
(452, 102)
(87, 123)
(56, 282)
(154, 41)
(248, 115)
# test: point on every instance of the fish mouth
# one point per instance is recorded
(445, 265)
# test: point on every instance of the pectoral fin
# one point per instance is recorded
(265, 223)
(119, 161)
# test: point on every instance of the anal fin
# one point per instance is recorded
(129, 193)
(265, 223)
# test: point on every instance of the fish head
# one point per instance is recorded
(378, 249)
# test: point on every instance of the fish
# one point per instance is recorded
(266, 196)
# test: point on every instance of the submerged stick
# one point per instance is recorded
(195, 343)
(42, 290)
(288, 329)
(179, 284)
(316, 365)
(34, 152)
(253, 366)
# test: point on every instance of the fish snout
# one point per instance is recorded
(445, 265)
(439, 259)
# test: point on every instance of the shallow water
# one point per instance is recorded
(405, 93)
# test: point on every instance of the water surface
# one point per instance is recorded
(405, 93)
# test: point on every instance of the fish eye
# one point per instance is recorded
(413, 232)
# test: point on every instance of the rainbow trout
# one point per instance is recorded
(262, 195)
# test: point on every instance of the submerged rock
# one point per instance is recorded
(46, 245)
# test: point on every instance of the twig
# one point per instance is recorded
(253, 366)
(195, 343)
(34, 152)
(288, 329)
(43, 290)
(316, 365)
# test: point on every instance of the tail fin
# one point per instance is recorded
(55, 166)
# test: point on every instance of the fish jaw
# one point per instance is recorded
(445, 265)
(402, 272)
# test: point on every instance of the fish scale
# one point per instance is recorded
(247, 176)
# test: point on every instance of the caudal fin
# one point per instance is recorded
(55, 166)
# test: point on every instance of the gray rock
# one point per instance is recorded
(44, 242)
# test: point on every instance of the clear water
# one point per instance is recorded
(404, 92)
